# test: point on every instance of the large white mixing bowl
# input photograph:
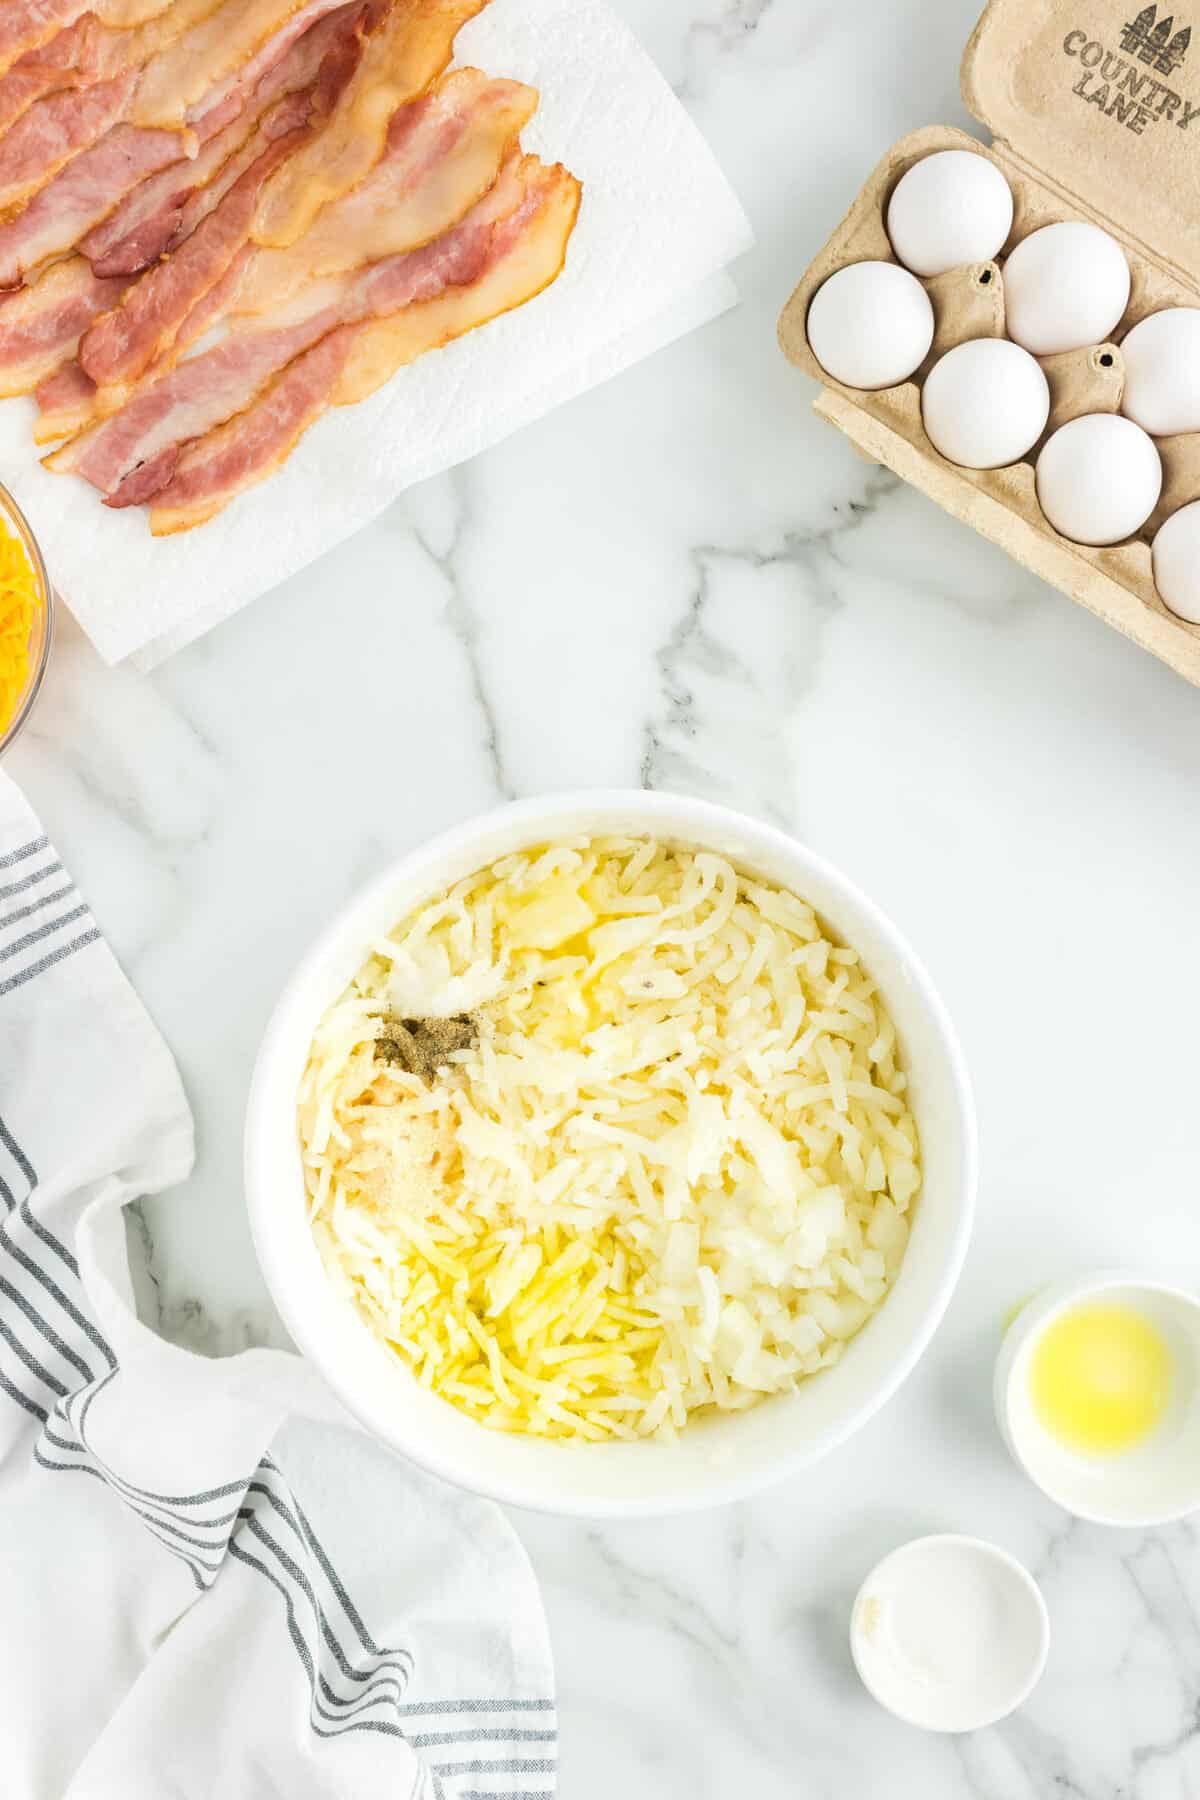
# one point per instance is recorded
(716, 1459)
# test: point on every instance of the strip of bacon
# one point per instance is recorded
(127, 64)
(190, 400)
(41, 325)
(229, 52)
(156, 213)
(524, 255)
(93, 46)
(121, 345)
(310, 103)
(84, 193)
(143, 225)
(79, 196)
(69, 60)
(209, 310)
(144, 330)
(443, 153)
(412, 46)
(64, 402)
(70, 402)
(244, 452)
(205, 390)
(56, 129)
(123, 15)
(27, 24)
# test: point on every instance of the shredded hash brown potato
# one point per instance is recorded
(671, 1170)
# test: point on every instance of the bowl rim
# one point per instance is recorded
(1029, 1323)
(646, 807)
(33, 685)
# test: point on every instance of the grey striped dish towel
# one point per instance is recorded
(210, 1582)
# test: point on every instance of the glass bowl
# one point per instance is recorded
(43, 624)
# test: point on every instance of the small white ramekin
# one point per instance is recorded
(716, 1459)
(950, 1586)
(1158, 1480)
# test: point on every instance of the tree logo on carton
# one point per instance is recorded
(1127, 85)
(1149, 39)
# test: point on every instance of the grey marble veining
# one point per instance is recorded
(684, 579)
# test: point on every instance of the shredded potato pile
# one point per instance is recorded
(20, 598)
(671, 1171)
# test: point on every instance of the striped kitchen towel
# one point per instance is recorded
(241, 1594)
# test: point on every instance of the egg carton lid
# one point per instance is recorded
(1101, 98)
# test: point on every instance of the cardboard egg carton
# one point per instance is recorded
(1093, 117)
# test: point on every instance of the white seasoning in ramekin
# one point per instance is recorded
(949, 1633)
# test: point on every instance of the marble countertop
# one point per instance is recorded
(685, 580)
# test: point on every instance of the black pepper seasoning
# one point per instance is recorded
(423, 1046)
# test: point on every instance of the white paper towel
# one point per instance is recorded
(657, 225)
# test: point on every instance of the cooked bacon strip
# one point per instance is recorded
(64, 403)
(310, 102)
(259, 66)
(79, 196)
(146, 221)
(26, 25)
(94, 182)
(523, 254)
(41, 325)
(94, 49)
(192, 488)
(69, 60)
(412, 46)
(154, 214)
(187, 402)
(71, 402)
(208, 311)
(443, 153)
(123, 343)
(145, 329)
(136, 47)
(123, 15)
(204, 390)
(124, 64)
(228, 53)
(56, 129)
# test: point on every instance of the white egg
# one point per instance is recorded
(1162, 372)
(1176, 552)
(870, 325)
(951, 208)
(1098, 478)
(1065, 287)
(985, 403)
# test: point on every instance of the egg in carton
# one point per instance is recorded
(1093, 120)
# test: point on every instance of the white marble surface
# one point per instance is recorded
(684, 579)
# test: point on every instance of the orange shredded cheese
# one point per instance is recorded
(20, 602)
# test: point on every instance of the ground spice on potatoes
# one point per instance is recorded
(423, 1046)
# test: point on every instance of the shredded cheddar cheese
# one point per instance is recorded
(20, 600)
(666, 1167)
